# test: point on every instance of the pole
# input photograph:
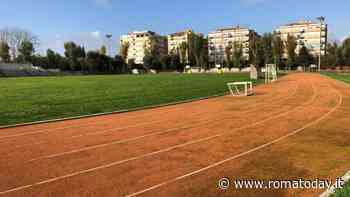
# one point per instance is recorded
(321, 19)
(109, 36)
(319, 56)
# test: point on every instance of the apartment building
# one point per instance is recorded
(176, 39)
(311, 34)
(140, 41)
(220, 39)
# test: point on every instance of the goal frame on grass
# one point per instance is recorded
(270, 73)
(234, 88)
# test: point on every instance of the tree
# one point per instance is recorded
(277, 49)
(228, 55)
(121, 66)
(39, 61)
(183, 49)
(26, 51)
(92, 61)
(124, 49)
(4, 52)
(267, 45)
(204, 58)
(165, 61)
(291, 46)
(153, 54)
(256, 51)
(237, 56)
(14, 37)
(131, 64)
(339, 56)
(74, 53)
(197, 48)
(175, 63)
(330, 59)
(52, 61)
(304, 58)
(103, 50)
(346, 51)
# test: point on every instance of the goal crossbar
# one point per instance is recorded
(234, 88)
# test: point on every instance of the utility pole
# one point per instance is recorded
(321, 19)
(109, 37)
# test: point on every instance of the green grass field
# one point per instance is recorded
(341, 77)
(42, 98)
(345, 192)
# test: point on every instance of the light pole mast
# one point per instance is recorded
(109, 37)
(321, 19)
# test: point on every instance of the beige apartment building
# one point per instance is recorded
(220, 39)
(140, 41)
(176, 39)
(310, 34)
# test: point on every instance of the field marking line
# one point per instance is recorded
(148, 154)
(121, 128)
(161, 131)
(98, 115)
(340, 101)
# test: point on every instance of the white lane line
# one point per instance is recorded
(117, 129)
(241, 154)
(83, 124)
(145, 155)
(201, 122)
(62, 128)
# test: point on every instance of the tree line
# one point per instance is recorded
(337, 54)
(18, 45)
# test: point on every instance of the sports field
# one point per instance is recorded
(295, 128)
(42, 98)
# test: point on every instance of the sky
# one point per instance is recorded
(86, 22)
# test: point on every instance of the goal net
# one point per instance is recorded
(241, 88)
(270, 73)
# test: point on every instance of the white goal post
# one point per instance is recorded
(270, 73)
(235, 91)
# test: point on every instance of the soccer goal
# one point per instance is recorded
(270, 73)
(244, 88)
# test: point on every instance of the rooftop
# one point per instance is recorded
(302, 22)
(181, 33)
(141, 32)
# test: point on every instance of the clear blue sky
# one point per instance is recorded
(86, 21)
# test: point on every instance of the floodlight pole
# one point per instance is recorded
(321, 19)
(109, 36)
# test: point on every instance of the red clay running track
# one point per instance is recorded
(291, 129)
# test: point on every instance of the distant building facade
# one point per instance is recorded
(180, 39)
(140, 41)
(310, 34)
(220, 39)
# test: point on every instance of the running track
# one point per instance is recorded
(294, 128)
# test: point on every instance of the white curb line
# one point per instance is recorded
(116, 112)
(332, 190)
(346, 177)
